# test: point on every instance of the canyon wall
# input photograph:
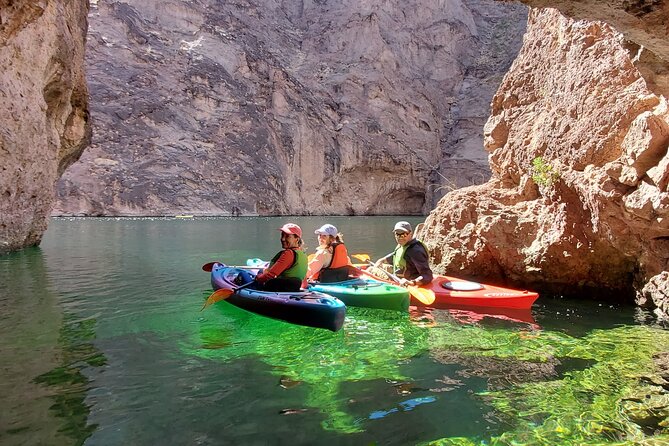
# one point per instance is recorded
(44, 120)
(307, 107)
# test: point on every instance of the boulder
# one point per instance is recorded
(578, 202)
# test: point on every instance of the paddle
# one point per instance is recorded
(222, 294)
(209, 266)
(423, 295)
(364, 257)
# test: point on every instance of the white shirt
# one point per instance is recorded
(322, 258)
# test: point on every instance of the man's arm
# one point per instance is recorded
(385, 258)
(421, 261)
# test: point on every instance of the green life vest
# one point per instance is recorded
(298, 270)
(399, 264)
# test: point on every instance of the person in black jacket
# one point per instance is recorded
(410, 259)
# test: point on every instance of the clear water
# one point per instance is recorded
(102, 342)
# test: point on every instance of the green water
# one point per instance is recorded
(102, 342)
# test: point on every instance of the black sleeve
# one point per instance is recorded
(418, 256)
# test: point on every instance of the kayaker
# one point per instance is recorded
(410, 259)
(288, 267)
(331, 261)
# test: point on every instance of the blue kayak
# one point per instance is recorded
(366, 293)
(308, 308)
(357, 292)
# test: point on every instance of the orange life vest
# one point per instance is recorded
(338, 269)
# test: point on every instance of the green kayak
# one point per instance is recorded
(366, 293)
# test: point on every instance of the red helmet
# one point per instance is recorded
(291, 228)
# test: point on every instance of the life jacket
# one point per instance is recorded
(298, 270)
(338, 269)
(399, 263)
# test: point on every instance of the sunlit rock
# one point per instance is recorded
(643, 24)
(593, 222)
(44, 122)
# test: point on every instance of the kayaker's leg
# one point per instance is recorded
(283, 284)
(334, 275)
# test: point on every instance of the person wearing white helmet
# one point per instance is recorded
(410, 259)
(331, 262)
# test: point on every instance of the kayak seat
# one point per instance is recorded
(461, 286)
(330, 275)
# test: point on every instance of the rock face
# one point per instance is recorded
(576, 112)
(643, 22)
(44, 122)
(264, 108)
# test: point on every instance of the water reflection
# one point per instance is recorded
(472, 315)
(67, 383)
(42, 387)
(377, 352)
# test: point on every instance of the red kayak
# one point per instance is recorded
(450, 292)
(453, 293)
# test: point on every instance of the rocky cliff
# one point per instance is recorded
(305, 107)
(578, 201)
(643, 22)
(44, 122)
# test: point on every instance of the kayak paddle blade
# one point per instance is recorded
(217, 296)
(209, 266)
(362, 257)
(423, 295)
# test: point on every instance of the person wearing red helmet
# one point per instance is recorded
(288, 267)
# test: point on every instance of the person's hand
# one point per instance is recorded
(405, 282)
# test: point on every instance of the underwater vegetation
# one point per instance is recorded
(620, 397)
(544, 387)
(317, 358)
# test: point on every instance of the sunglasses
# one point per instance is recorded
(401, 234)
